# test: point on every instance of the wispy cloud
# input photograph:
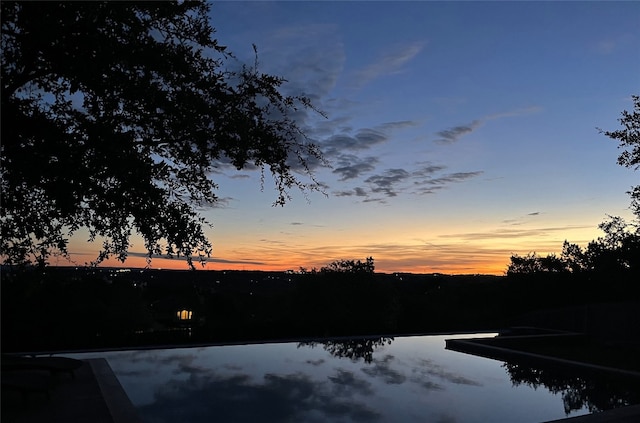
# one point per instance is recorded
(386, 182)
(422, 179)
(402, 124)
(363, 139)
(427, 169)
(206, 259)
(388, 63)
(506, 233)
(453, 177)
(431, 185)
(521, 220)
(240, 176)
(310, 57)
(350, 166)
(514, 113)
(357, 191)
(453, 134)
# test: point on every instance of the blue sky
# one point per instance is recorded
(458, 133)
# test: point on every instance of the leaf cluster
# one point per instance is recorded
(114, 117)
(350, 266)
(615, 252)
(628, 138)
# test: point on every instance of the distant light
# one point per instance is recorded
(184, 314)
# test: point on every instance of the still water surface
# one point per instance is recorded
(405, 379)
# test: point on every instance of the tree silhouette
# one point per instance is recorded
(534, 263)
(629, 140)
(350, 266)
(595, 393)
(617, 251)
(114, 116)
(353, 349)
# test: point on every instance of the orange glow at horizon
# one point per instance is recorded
(485, 263)
(469, 251)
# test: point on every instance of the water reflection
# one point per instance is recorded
(429, 368)
(296, 396)
(596, 393)
(351, 387)
(365, 380)
(353, 349)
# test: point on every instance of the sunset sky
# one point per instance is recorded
(459, 133)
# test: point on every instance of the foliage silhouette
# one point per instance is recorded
(618, 251)
(353, 349)
(350, 266)
(629, 140)
(533, 263)
(115, 114)
(597, 394)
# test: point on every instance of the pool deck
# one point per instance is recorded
(94, 395)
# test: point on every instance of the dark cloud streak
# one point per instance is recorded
(451, 135)
(392, 182)
(206, 259)
(352, 167)
(386, 182)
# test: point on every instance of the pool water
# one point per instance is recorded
(407, 379)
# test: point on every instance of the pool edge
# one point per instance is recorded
(627, 414)
(118, 403)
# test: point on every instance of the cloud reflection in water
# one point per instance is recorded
(406, 379)
(279, 398)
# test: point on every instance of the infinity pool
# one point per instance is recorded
(405, 379)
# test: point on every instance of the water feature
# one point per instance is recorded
(378, 379)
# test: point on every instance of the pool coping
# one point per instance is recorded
(628, 414)
(118, 403)
(472, 346)
(248, 342)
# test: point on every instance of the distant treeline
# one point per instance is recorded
(617, 253)
(66, 308)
